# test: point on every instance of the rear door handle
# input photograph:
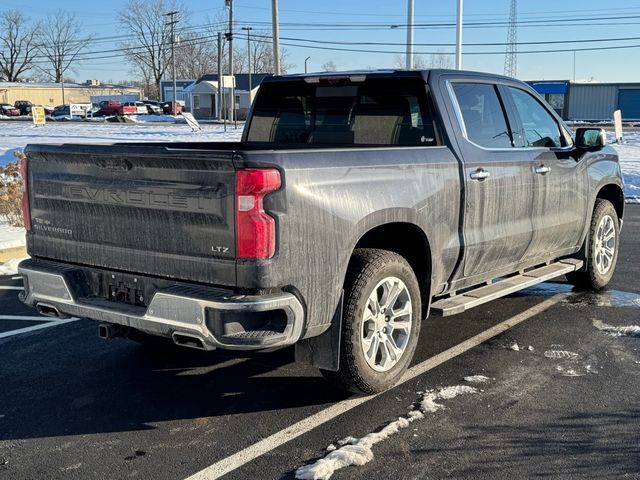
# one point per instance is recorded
(542, 170)
(479, 174)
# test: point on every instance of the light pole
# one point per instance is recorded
(248, 29)
(409, 64)
(459, 37)
(229, 3)
(276, 36)
(172, 24)
(305, 64)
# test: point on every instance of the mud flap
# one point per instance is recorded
(323, 351)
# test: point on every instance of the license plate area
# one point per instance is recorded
(129, 292)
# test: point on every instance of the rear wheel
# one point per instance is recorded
(602, 250)
(381, 322)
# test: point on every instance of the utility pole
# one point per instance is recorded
(219, 103)
(459, 37)
(409, 64)
(305, 64)
(172, 24)
(248, 29)
(229, 3)
(276, 36)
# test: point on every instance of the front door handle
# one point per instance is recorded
(542, 170)
(479, 174)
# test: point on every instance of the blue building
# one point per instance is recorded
(591, 101)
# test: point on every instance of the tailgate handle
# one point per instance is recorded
(542, 170)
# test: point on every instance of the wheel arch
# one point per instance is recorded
(614, 194)
(410, 242)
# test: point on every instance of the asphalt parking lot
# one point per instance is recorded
(73, 406)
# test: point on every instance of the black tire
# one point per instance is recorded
(593, 278)
(367, 268)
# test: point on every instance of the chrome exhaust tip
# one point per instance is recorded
(188, 340)
(48, 310)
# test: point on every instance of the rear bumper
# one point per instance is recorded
(216, 318)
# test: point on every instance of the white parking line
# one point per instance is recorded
(276, 440)
(37, 327)
(2, 287)
(26, 318)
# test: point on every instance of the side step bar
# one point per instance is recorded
(472, 298)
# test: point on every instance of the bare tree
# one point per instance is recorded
(329, 66)
(60, 44)
(17, 45)
(148, 49)
(435, 60)
(196, 55)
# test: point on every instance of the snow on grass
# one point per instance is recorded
(10, 267)
(11, 237)
(14, 136)
(359, 451)
(627, 331)
(629, 152)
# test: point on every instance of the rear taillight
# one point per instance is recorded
(24, 173)
(255, 229)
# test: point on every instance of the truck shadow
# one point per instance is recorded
(72, 383)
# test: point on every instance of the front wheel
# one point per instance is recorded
(381, 322)
(602, 250)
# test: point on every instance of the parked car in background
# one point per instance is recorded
(24, 106)
(110, 108)
(9, 110)
(166, 108)
(140, 108)
(47, 110)
(153, 107)
(70, 110)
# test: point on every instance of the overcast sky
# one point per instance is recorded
(343, 21)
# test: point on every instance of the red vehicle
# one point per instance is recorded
(167, 108)
(9, 110)
(111, 107)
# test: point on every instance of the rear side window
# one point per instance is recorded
(539, 128)
(483, 115)
(377, 112)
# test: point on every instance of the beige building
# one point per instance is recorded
(51, 94)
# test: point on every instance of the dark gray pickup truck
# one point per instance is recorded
(355, 205)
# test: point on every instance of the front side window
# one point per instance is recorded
(539, 128)
(483, 115)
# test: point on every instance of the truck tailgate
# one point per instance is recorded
(148, 209)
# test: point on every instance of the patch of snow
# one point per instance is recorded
(476, 379)
(10, 267)
(347, 441)
(360, 452)
(530, 348)
(515, 347)
(331, 447)
(561, 354)
(627, 331)
(569, 372)
(11, 237)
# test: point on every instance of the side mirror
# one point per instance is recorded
(591, 138)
